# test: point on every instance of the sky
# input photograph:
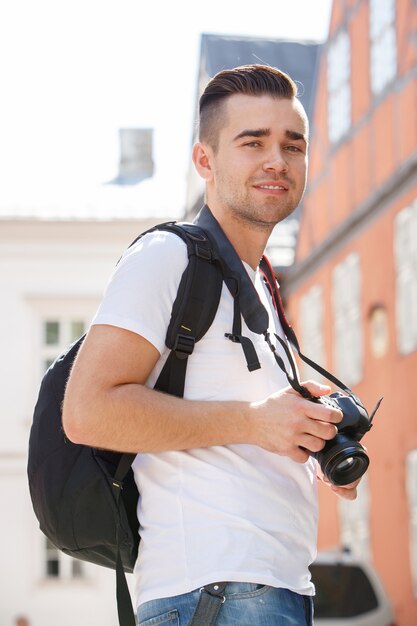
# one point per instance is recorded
(72, 72)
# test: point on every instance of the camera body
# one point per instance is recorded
(343, 459)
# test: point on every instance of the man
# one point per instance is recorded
(227, 485)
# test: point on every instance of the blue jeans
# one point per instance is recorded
(246, 604)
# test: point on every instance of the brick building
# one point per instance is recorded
(352, 292)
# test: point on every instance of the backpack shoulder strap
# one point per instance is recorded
(195, 306)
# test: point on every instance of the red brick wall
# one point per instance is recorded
(343, 179)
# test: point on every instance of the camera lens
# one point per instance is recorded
(343, 460)
(346, 464)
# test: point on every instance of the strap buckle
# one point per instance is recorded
(203, 251)
(233, 337)
(184, 345)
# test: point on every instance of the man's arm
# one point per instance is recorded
(107, 405)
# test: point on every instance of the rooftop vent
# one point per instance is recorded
(136, 162)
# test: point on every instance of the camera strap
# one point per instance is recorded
(236, 277)
(248, 305)
(270, 280)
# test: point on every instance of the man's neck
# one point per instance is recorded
(248, 241)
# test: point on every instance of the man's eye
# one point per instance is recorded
(252, 144)
(293, 148)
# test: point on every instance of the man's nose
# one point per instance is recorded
(275, 161)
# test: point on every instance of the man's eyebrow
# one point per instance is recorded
(252, 132)
(265, 132)
(295, 136)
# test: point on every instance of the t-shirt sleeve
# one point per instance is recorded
(143, 287)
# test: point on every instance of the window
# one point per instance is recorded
(58, 322)
(311, 326)
(61, 566)
(338, 85)
(51, 333)
(57, 334)
(51, 560)
(379, 330)
(354, 522)
(383, 43)
(347, 325)
(411, 483)
(405, 234)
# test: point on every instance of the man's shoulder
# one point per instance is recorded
(159, 247)
(158, 239)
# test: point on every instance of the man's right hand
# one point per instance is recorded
(288, 424)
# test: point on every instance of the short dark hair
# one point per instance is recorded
(249, 80)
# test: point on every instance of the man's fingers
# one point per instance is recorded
(316, 389)
(322, 412)
(323, 430)
(316, 410)
(319, 433)
(299, 455)
(312, 444)
(348, 492)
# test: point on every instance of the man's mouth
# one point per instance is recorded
(271, 187)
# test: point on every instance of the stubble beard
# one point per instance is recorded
(262, 217)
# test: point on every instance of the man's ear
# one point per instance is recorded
(202, 160)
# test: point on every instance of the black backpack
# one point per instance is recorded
(85, 499)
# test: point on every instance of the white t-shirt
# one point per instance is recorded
(236, 512)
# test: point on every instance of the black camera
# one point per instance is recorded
(343, 459)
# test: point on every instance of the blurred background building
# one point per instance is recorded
(352, 291)
(347, 261)
(53, 270)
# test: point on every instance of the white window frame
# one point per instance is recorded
(354, 522)
(338, 86)
(312, 331)
(405, 237)
(383, 43)
(347, 320)
(66, 336)
(69, 569)
(411, 486)
(63, 309)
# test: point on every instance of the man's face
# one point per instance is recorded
(258, 172)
